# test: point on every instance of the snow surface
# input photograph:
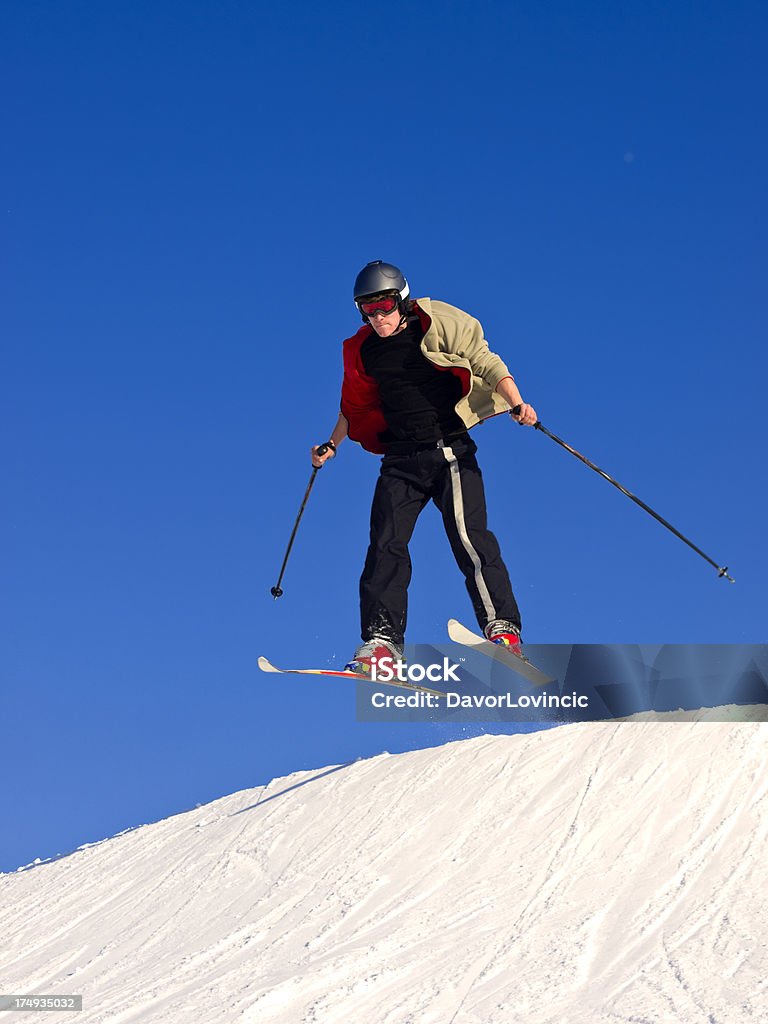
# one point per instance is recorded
(612, 871)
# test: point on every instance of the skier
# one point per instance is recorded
(417, 377)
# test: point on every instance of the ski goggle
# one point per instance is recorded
(384, 304)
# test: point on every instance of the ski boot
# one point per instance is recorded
(502, 631)
(376, 647)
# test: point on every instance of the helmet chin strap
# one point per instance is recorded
(405, 317)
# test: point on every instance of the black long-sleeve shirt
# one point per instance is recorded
(418, 399)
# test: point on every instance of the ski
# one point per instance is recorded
(267, 666)
(517, 662)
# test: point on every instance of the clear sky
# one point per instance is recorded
(188, 190)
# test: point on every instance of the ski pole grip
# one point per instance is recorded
(515, 411)
(327, 446)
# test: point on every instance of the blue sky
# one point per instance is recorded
(188, 191)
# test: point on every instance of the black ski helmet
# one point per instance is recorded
(378, 277)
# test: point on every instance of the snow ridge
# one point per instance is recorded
(609, 871)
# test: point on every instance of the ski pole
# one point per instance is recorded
(722, 570)
(277, 591)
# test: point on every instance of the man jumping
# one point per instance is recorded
(417, 377)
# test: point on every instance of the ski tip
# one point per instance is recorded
(266, 666)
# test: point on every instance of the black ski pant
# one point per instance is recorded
(449, 475)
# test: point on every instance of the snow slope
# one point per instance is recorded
(598, 872)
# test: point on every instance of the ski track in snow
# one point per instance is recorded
(607, 872)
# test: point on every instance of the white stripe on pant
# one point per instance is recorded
(461, 526)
